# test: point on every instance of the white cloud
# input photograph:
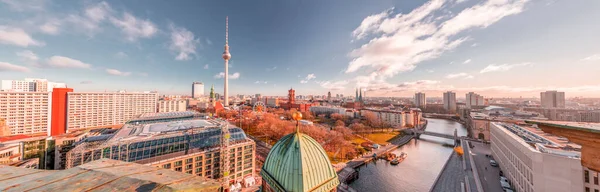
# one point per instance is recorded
(134, 28)
(121, 55)
(117, 72)
(66, 62)
(310, 76)
(467, 61)
(93, 15)
(4, 66)
(182, 42)
(17, 36)
(303, 81)
(51, 27)
(337, 85)
(594, 57)
(502, 67)
(271, 68)
(404, 40)
(459, 75)
(231, 76)
(260, 82)
(25, 5)
(206, 66)
(474, 45)
(28, 55)
(98, 12)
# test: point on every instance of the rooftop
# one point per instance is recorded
(580, 126)
(103, 175)
(544, 142)
(167, 115)
(141, 132)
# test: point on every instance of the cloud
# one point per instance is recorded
(402, 41)
(4, 66)
(474, 45)
(66, 62)
(132, 27)
(231, 76)
(93, 15)
(182, 42)
(303, 81)
(51, 27)
(260, 82)
(271, 68)
(86, 82)
(502, 67)
(310, 76)
(206, 66)
(459, 75)
(467, 61)
(18, 37)
(117, 72)
(22, 5)
(121, 55)
(430, 70)
(594, 57)
(27, 55)
(337, 85)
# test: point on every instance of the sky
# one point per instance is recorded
(498, 48)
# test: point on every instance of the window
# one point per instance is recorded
(167, 166)
(188, 161)
(595, 190)
(199, 158)
(596, 179)
(587, 189)
(178, 163)
(586, 175)
(178, 169)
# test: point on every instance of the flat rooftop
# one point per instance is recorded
(581, 126)
(478, 115)
(544, 142)
(103, 175)
(141, 132)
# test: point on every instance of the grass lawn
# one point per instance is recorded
(357, 140)
(382, 138)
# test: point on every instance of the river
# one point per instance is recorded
(418, 171)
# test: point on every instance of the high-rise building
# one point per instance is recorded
(473, 99)
(197, 89)
(226, 57)
(59, 111)
(26, 112)
(329, 96)
(172, 105)
(30, 85)
(450, 101)
(552, 99)
(89, 109)
(4, 130)
(420, 100)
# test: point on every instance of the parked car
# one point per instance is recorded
(505, 185)
(493, 163)
(502, 178)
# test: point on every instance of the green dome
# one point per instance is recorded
(298, 163)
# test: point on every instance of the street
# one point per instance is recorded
(488, 175)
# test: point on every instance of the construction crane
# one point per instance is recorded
(225, 135)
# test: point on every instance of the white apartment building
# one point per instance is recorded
(536, 161)
(473, 99)
(450, 101)
(391, 117)
(420, 100)
(107, 108)
(30, 85)
(552, 99)
(172, 105)
(26, 112)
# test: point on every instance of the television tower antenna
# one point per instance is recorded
(225, 128)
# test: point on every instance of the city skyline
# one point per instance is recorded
(509, 49)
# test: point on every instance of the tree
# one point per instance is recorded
(372, 119)
(340, 123)
(337, 116)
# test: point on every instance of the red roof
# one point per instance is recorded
(13, 137)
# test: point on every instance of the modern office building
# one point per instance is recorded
(327, 110)
(450, 102)
(97, 109)
(536, 161)
(552, 99)
(26, 112)
(420, 100)
(172, 105)
(30, 85)
(197, 89)
(189, 146)
(473, 99)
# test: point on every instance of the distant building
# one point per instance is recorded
(552, 99)
(329, 96)
(293, 105)
(420, 100)
(172, 105)
(450, 102)
(473, 99)
(30, 85)
(536, 161)
(26, 112)
(396, 118)
(327, 110)
(197, 89)
(97, 109)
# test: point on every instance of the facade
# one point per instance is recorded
(479, 124)
(420, 100)
(450, 102)
(4, 130)
(536, 161)
(590, 180)
(559, 114)
(298, 163)
(30, 85)
(59, 111)
(86, 110)
(552, 99)
(26, 112)
(172, 105)
(473, 99)
(396, 118)
(327, 110)
(197, 89)
(184, 145)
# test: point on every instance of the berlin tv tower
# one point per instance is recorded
(226, 57)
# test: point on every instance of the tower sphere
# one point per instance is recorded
(226, 55)
(297, 116)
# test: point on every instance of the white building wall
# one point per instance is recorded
(26, 112)
(172, 105)
(593, 182)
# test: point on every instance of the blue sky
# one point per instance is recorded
(389, 48)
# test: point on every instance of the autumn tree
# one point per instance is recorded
(340, 123)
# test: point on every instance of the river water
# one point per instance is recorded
(426, 157)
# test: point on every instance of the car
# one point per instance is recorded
(504, 179)
(493, 163)
(505, 185)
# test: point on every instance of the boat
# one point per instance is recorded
(399, 159)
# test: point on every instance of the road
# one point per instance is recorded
(488, 175)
